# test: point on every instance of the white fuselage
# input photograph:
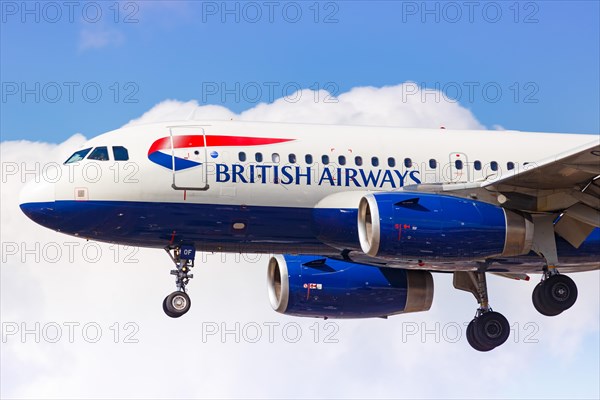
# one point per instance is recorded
(303, 184)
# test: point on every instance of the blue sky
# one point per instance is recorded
(543, 56)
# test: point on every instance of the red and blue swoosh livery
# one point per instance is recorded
(159, 152)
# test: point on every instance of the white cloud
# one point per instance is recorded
(373, 359)
(171, 110)
(401, 105)
(97, 38)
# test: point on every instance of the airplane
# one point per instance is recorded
(356, 219)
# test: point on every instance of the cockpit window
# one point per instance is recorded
(121, 153)
(99, 153)
(78, 156)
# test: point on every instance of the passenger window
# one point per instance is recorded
(292, 158)
(358, 160)
(477, 165)
(458, 164)
(510, 165)
(432, 164)
(99, 153)
(78, 155)
(120, 153)
(342, 160)
(494, 166)
(374, 161)
(391, 162)
(242, 156)
(258, 157)
(308, 158)
(407, 162)
(325, 159)
(275, 157)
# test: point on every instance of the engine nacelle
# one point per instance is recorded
(432, 227)
(334, 220)
(312, 286)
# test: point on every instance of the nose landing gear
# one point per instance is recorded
(178, 303)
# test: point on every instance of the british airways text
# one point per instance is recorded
(330, 176)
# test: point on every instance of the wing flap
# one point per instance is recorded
(568, 183)
(585, 214)
(573, 231)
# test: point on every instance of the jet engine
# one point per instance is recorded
(312, 286)
(432, 227)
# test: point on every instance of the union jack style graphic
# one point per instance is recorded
(309, 286)
(160, 151)
(318, 286)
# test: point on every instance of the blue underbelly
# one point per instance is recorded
(217, 227)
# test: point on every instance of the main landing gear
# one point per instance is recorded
(554, 294)
(178, 303)
(489, 329)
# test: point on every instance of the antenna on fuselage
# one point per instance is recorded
(192, 113)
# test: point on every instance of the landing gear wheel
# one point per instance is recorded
(559, 292)
(176, 304)
(471, 337)
(169, 313)
(540, 305)
(491, 330)
(488, 329)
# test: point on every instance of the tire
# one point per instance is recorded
(472, 340)
(559, 292)
(178, 303)
(540, 305)
(491, 329)
(169, 314)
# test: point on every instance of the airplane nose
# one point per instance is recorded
(36, 200)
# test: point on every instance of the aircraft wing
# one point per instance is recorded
(568, 183)
(575, 168)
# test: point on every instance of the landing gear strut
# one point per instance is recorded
(489, 329)
(178, 303)
(554, 294)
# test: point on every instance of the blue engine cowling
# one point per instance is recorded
(312, 286)
(419, 226)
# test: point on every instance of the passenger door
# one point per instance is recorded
(189, 158)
